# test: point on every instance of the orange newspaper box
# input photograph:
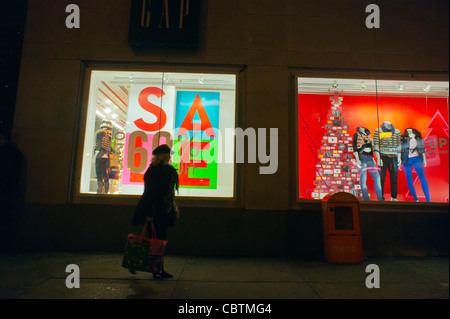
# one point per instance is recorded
(341, 228)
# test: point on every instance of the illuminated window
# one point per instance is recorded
(346, 126)
(187, 111)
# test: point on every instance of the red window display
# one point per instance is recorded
(379, 140)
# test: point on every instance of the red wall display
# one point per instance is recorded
(317, 130)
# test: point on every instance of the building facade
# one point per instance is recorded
(291, 80)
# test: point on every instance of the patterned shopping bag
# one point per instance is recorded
(143, 253)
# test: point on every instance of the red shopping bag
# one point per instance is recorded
(143, 253)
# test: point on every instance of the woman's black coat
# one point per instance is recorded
(158, 199)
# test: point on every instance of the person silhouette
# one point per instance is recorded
(158, 200)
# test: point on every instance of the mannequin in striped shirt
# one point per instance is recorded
(101, 156)
(387, 146)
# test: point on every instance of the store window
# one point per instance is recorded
(130, 113)
(376, 139)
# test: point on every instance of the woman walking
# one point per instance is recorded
(158, 199)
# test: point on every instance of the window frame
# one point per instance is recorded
(297, 203)
(76, 197)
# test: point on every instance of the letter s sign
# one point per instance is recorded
(161, 116)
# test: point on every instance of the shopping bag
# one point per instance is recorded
(143, 253)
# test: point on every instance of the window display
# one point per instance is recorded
(376, 139)
(131, 113)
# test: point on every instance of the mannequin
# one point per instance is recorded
(363, 152)
(387, 147)
(413, 156)
(101, 155)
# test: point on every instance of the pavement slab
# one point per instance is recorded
(42, 275)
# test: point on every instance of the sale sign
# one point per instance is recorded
(196, 138)
(189, 124)
(150, 116)
(150, 108)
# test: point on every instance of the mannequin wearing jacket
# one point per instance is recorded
(101, 156)
(387, 147)
(363, 151)
(413, 155)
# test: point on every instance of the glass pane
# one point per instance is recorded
(354, 132)
(147, 109)
(329, 113)
(414, 117)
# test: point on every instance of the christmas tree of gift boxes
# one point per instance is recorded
(336, 170)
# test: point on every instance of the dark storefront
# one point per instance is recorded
(261, 102)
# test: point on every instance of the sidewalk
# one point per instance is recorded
(43, 276)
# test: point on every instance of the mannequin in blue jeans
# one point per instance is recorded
(363, 151)
(413, 155)
(367, 164)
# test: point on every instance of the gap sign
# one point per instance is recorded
(165, 24)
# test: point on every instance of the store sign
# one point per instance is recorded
(197, 132)
(164, 23)
(191, 129)
(149, 120)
